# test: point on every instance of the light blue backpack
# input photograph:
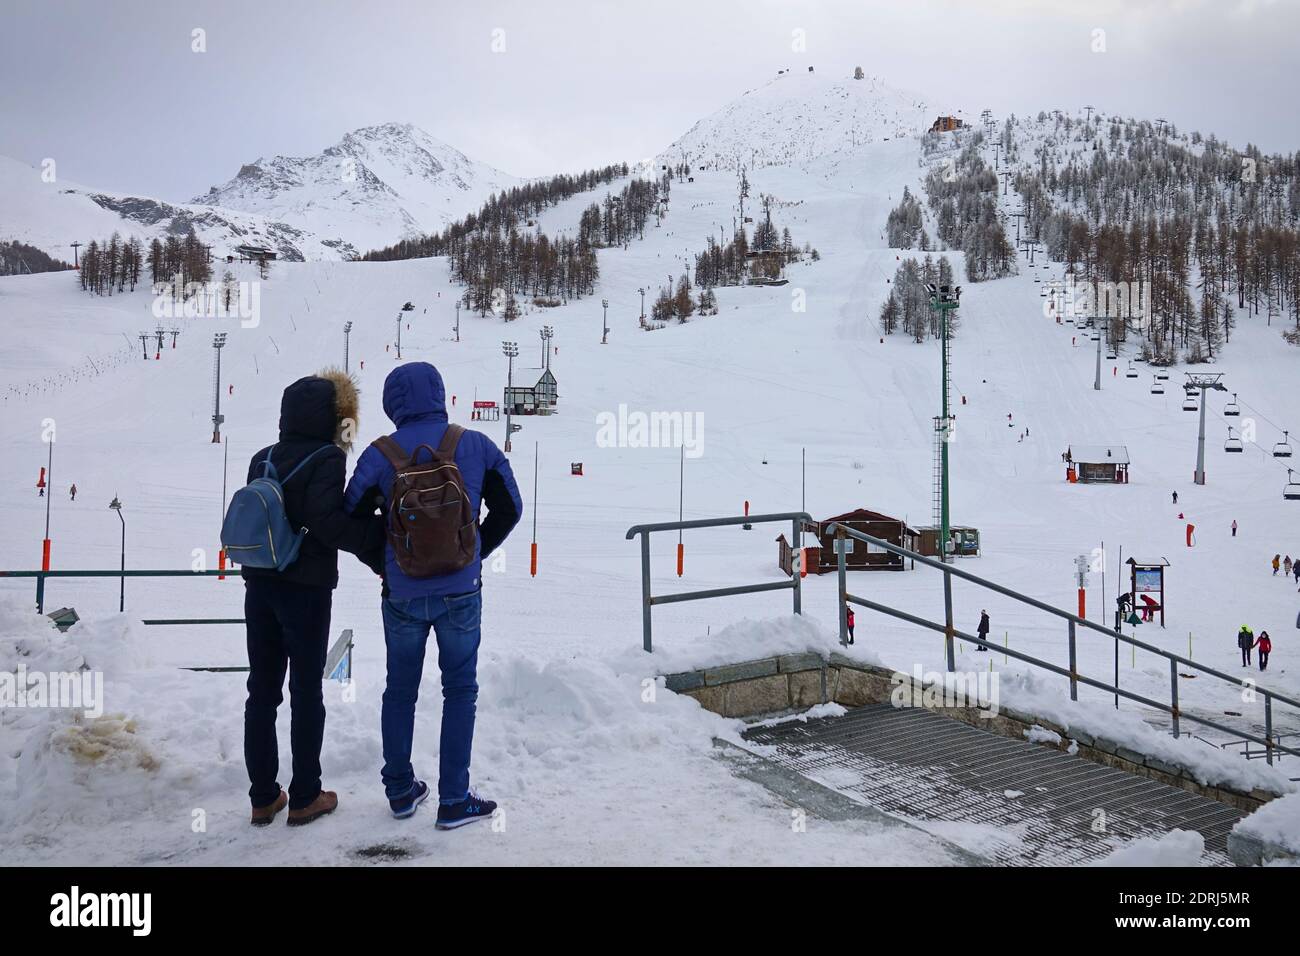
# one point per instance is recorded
(256, 532)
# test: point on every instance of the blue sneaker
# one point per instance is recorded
(405, 806)
(473, 807)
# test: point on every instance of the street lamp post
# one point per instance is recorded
(116, 505)
(218, 343)
(509, 350)
(604, 335)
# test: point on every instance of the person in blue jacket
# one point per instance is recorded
(451, 604)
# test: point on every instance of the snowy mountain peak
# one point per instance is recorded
(799, 116)
(376, 185)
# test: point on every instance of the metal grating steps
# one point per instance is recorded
(1037, 806)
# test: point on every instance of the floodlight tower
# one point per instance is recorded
(458, 320)
(347, 334)
(550, 334)
(218, 343)
(509, 350)
(943, 299)
(642, 291)
(1205, 381)
(604, 335)
(399, 336)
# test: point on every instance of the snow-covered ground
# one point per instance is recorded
(587, 772)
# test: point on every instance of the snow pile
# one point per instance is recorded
(749, 640)
(1175, 848)
(1276, 823)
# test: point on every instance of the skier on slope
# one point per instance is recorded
(1245, 641)
(1175, 497)
(1277, 562)
(72, 492)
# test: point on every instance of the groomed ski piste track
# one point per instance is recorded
(591, 761)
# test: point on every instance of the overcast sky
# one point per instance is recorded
(114, 92)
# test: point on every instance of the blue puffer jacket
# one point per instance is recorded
(415, 400)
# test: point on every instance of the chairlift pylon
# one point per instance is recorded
(1232, 410)
(1283, 448)
(1292, 490)
(1233, 444)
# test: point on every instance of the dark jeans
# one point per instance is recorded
(1245, 656)
(455, 621)
(288, 628)
(1263, 660)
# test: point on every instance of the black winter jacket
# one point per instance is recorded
(313, 499)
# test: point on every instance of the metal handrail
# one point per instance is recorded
(648, 600)
(41, 575)
(1074, 621)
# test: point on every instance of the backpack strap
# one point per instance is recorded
(268, 469)
(450, 439)
(394, 452)
(298, 467)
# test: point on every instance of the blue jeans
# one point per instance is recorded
(455, 621)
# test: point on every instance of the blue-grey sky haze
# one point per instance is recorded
(114, 92)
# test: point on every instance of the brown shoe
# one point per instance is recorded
(325, 802)
(262, 816)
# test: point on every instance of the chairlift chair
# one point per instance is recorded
(1132, 372)
(1112, 355)
(1162, 375)
(1292, 490)
(1283, 448)
(1096, 336)
(1232, 410)
(1157, 387)
(1189, 403)
(1233, 444)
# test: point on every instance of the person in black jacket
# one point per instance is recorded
(288, 612)
(983, 630)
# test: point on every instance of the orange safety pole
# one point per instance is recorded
(221, 563)
(681, 553)
(532, 567)
(45, 554)
(1083, 603)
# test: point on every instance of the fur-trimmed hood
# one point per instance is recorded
(324, 407)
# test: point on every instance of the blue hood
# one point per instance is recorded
(414, 393)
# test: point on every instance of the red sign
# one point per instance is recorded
(485, 404)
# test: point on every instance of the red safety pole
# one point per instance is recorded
(221, 563)
(1083, 603)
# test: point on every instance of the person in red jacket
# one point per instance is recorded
(1265, 645)
(848, 613)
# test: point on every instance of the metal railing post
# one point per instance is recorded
(949, 642)
(841, 564)
(645, 592)
(1268, 725)
(1173, 694)
(798, 574)
(40, 594)
(1074, 666)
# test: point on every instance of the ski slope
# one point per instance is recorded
(590, 772)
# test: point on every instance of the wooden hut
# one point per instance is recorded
(821, 557)
(1097, 464)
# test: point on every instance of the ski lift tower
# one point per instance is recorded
(1205, 381)
(218, 343)
(943, 299)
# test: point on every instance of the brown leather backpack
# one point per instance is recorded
(431, 526)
